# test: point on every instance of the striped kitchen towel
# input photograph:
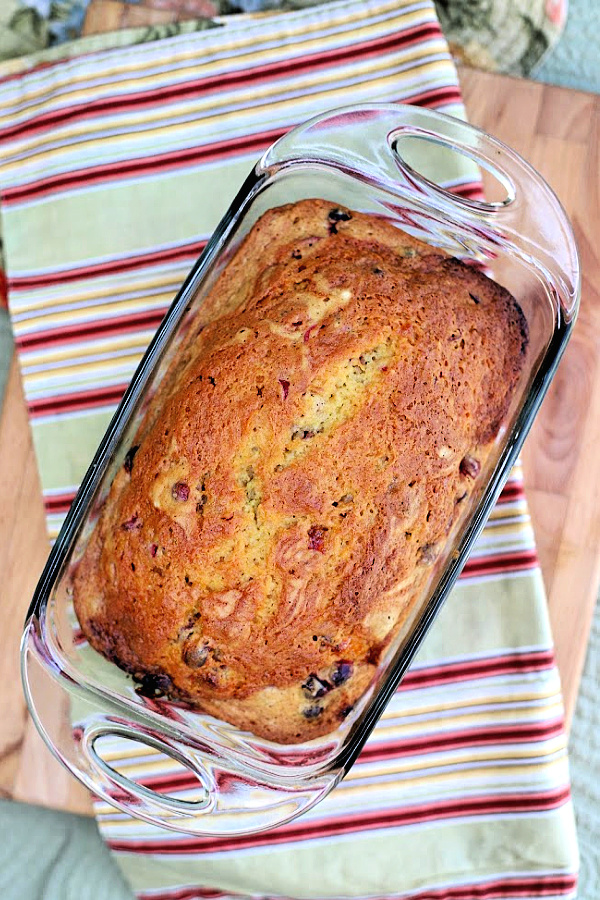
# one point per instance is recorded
(115, 167)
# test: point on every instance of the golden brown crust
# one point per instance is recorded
(282, 516)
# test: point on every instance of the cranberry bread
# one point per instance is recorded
(278, 518)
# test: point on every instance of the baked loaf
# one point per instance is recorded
(278, 519)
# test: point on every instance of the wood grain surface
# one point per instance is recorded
(558, 131)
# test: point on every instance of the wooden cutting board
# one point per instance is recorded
(558, 131)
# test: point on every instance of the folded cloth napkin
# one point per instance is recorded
(500, 35)
(115, 168)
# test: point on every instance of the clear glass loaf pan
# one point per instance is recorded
(356, 157)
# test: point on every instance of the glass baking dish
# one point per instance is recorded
(367, 158)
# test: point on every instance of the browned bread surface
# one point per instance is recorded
(275, 524)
